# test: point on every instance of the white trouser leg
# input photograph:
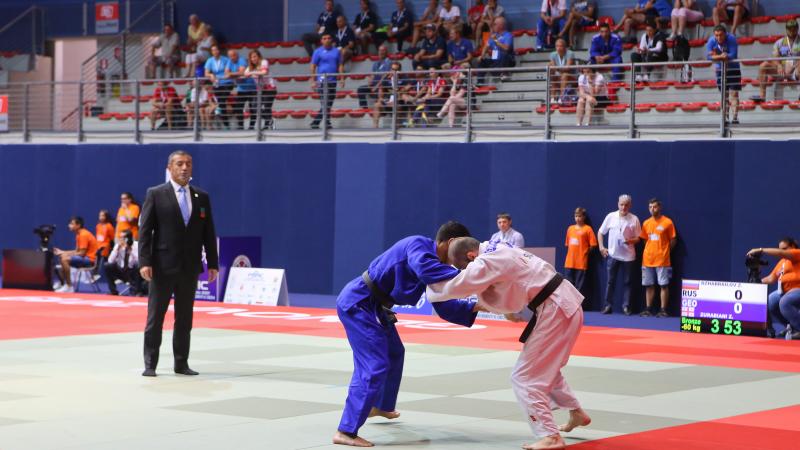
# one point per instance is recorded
(536, 380)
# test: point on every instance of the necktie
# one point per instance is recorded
(184, 205)
(127, 257)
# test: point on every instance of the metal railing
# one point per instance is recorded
(672, 100)
(15, 37)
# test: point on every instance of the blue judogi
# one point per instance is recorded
(402, 271)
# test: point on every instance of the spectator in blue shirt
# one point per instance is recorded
(606, 48)
(583, 13)
(234, 71)
(431, 54)
(223, 86)
(326, 23)
(723, 50)
(644, 10)
(400, 26)
(369, 91)
(499, 49)
(551, 21)
(345, 39)
(459, 50)
(325, 63)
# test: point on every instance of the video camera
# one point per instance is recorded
(45, 232)
(754, 264)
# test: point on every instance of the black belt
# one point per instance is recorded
(385, 300)
(543, 295)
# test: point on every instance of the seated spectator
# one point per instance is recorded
(369, 91)
(580, 240)
(234, 71)
(459, 50)
(506, 234)
(592, 93)
(431, 53)
(123, 265)
(499, 51)
(429, 17)
(474, 14)
(326, 24)
(325, 64)
(606, 48)
(583, 13)
(683, 12)
(722, 48)
(84, 255)
(345, 39)
(449, 17)
(562, 71)
(783, 304)
(365, 26)
(258, 71)
(196, 60)
(490, 13)
(551, 21)
(166, 64)
(201, 102)
(400, 26)
(457, 100)
(637, 15)
(104, 232)
(165, 100)
(215, 72)
(433, 97)
(128, 215)
(736, 11)
(194, 33)
(785, 47)
(652, 48)
(391, 91)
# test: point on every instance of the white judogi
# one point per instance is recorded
(505, 281)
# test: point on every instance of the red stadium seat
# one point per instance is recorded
(517, 33)
(769, 40)
(358, 113)
(282, 96)
(713, 106)
(795, 105)
(747, 105)
(339, 113)
(145, 98)
(751, 63)
(567, 109)
(286, 44)
(639, 86)
(531, 32)
(787, 17)
(745, 40)
(693, 106)
(180, 82)
(661, 85)
(300, 95)
(644, 107)
(357, 77)
(343, 94)
(148, 82)
(694, 43)
(126, 98)
(687, 85)
(288, 60)
(301, 114)
(235, 45)
(302, 78)
(707, 84)
(105, 116)
(120, 116)
(773, 105)
(617, 108)
(702, 64)
(668, 107)
(252, 45)
(396, 56)
(761, 19)
(303, 60)
(707, 22)
(359, 58)
(523, 51)
(542, 109)
(269, 44)
(283, 79)
(280, 114)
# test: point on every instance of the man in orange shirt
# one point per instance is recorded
(579, 241)
(84, 254)
(660, 238)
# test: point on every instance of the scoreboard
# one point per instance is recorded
(721, 307)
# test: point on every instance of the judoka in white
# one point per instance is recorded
(505, 280)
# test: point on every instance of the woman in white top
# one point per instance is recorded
(258, 69)
(593, 92)
(202, 106)
(449, 16)
(457, 101)
(736, 10)
(684, 12)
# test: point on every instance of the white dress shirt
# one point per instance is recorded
(620, 229)
(511, 237)
(117, 256)
(188, 194)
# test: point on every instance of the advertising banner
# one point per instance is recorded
(233, 252)
(106, 17)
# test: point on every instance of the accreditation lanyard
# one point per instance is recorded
(364, 17)
(340, 34)
(399, 17)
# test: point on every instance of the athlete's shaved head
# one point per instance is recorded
(462, 251)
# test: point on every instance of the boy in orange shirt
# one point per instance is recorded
(660, 238)
(580, 240)
(84, 254)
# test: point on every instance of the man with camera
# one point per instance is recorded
(123, 265)
(783, 303)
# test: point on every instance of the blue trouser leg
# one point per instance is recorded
(627, 266)
(370, 343)
(387, 398)
(541, 32)
(773, 309)
(790, 308)
(612, 269)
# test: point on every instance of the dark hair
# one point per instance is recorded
(326, 34)
(605, 25)
(654, 200)
(130, 196)
(451, 230)
(109, 219)
(78, 220)
(651, 23)
(790, 241)
(580, 211)
(504, 215)
(720, 28)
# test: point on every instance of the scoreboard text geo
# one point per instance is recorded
(722, 307)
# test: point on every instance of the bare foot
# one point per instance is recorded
(387, 414)
(577, 418)
(553, 442)
(343, 439)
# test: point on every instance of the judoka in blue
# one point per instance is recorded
(402, 272)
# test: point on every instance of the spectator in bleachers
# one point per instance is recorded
(592, 93)
(562, 71)
(400, 26)
(195, 62)
(606, 48)
(167, 62)
(258, 70)
(490, 12)
(326, 24)
(623, 229)
(84, 255)
(505, 233)
(345, 39)
(365, 25)
(723, 49)
(369, 91)
(736, 11)
(459, 50)
(551, 21)
(428, 17)
(499, 50)
(215, 72)
(449, 17)
(325, 63)
(580, 240)
(194, 33)
(123, 265)
(781, 71)
(433, 97)
(582, 13)
(652, 48)
(104, 232)
(128, 215)
(201, 102)
(644, 10)
(456, 101)
(684, 12)
(783, 304)
(393, 89)
(474, 14)
(432, 50)
(247, 91)
(660, 238)
(234, 71)
(165, 100)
